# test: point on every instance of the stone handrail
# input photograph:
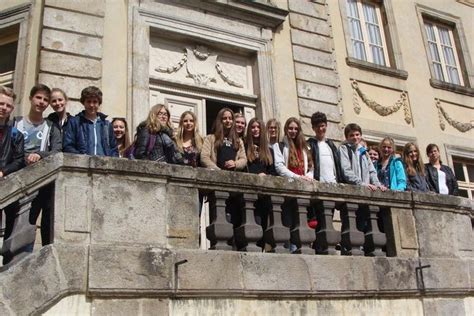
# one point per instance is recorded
(138, 221)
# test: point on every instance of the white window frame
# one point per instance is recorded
(461, 154)
(363, 22)
(6, 78)
(468, 184)
(436, 26)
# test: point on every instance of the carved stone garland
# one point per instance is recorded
(200, 65)
(462, 127)
(378, 108)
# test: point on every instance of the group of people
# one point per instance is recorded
(233, 145)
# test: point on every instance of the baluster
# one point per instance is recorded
(219, 230)
(23, 233)
(247, 234)
(301, 235)
(351, 238)
(374, 238)
(276, 234)
(326, 236)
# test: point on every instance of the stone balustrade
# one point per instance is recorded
(138, 221)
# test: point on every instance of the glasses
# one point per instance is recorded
(164, 114)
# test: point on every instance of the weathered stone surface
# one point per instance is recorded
(407, 230)
(183, 217)
(72, 43)
(224, 271)
(395, 274)
(308, 107)
(33, 282)
(309, 24)
(156, 306)
(446, 274)
(127, 269)
(119, 307)
(4, 309)
(128, 211)
(316, 75)
(77, 205)
(87, 6)
(443, 306)
(312, 40)
(308, 8)
(334, 273)
(437, 233)
(72, 86)
(471, 273)
(317, 92)
(73, 263)
(313, 57)
(70, 65)
(281, 273)
(76, 304)
(465, 236)
(73, 21)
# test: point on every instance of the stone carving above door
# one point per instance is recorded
(204, 66)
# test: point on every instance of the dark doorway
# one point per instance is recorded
(213, 107)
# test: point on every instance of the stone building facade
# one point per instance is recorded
(268, 58)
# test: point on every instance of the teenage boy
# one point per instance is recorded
(42, 138)
(12, 156)
(357, 168)
(89, 132)
(327, 166)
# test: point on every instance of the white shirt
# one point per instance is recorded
(443, 188)
(326, 163)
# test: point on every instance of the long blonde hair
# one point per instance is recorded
(153, 123)
(278, 129)
(196, 138)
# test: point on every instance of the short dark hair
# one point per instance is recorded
(318, 118)
(91, 92)
(352, 127)
(39, 87)
(430, 148)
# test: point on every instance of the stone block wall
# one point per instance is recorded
(317, 79)
(72, 46)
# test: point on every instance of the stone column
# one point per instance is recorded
(247, 234)
(374, 238)
(220, 230)
(326, 236)
(351, 238)
(276, 234)
(302, 236)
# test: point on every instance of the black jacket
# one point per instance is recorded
(53, 117)
(12, 153)
(313, 144)
(164, 149)
(432, 178)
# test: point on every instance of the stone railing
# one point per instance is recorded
(138, 221)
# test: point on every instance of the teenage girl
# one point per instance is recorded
(274, 131)
(188, 139)
(60, 116)
(440, 177)
(240, 125)
(390, 170)
(415, 169)
(154, 138)
(122, 137)
(293, 160)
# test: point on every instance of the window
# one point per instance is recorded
(367, 32)
(8, 52)
(464, 171)
(443, 53)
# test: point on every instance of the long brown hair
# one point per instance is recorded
(152, 122)
(413, 169)
(218, 131)
(298, 144)
(124, 142)
(264, 154)
(196, 138)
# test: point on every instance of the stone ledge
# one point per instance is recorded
(391, 72)
(438, 84)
